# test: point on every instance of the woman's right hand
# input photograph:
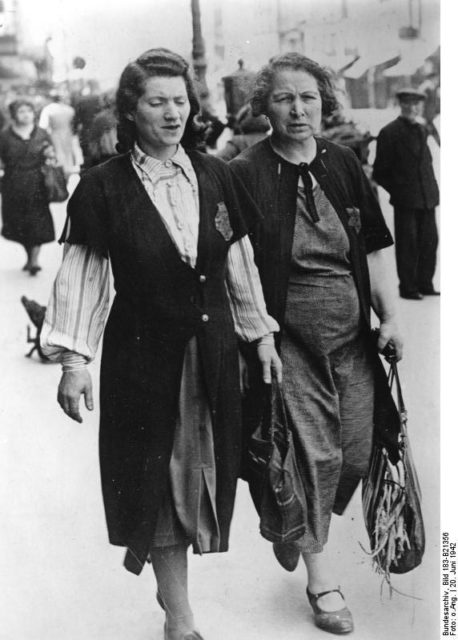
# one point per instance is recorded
(72, 385)
(270, 362)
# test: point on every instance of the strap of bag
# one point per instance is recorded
(393, 380)
(279, 417)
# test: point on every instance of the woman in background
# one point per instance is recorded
(24, 148)
(57, 119)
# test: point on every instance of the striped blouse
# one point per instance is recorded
(80, 297)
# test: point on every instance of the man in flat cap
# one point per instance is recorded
(403, 166)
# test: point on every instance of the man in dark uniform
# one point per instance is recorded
(403, 166)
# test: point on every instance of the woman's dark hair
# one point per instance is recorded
(153, 63)
(297, 62)
(14, 106)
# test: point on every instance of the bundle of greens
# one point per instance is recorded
(391, 504)
(388, 536)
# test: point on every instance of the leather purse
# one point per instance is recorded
(272, 473)
(55, 182)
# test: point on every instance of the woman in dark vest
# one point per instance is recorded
(317, 248)
(173, 223)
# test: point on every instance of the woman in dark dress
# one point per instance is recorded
(172, 223)
(318, 250)
(24, 148)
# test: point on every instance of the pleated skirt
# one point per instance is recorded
(188, 512)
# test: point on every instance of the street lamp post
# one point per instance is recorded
(198, 46)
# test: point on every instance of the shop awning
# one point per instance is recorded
(413, 57)
(364, 63)
(337, 63)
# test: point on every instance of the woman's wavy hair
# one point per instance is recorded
(153, 63)
(297, 62)
(14, 106)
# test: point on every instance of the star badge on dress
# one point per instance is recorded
(354, 218)
(223, 223)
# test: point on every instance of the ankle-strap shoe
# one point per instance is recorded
(338, 622)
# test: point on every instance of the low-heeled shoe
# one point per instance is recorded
(287, 554)
(337, 622)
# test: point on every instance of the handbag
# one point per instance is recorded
(55, 182)
(392, 501)
(272, 473)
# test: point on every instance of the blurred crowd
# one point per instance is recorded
(81, 120)
(81, 123)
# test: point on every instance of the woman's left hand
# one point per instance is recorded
(390, 337)
(270, 361)
(49, 155)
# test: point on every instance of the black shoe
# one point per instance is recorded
(413, 295)
(34, 270)
(287, 554)
(338, 622)
(430, 291)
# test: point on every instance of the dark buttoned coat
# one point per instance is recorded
(403, 165)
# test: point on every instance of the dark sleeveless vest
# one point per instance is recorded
(160, 303)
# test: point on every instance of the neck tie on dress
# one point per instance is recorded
(308, 189)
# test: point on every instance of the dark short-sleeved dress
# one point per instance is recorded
(25, 208)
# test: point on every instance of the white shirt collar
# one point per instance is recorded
(152, 166)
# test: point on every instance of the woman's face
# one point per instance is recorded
(24, 115)
(161, 114)
(294, 106)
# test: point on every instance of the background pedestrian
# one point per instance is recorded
(24, 147)
(57, 119)
(403, 166)
(102, 138)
